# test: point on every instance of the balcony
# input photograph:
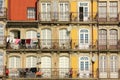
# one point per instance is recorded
(67, 17)
(49, 73)
(108, 17)
(3, 13)
(110, 44)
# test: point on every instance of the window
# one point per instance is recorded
(113, 37)
(64, 11)
(84, 63)
(31, 13)
(103, 63)
(113, 9)
(102, 9)
(1, 34)
(46, 38)
(31, 34)
(83, 36)
(64, 66)
(46, 66)
(63, 37)
(31, 61)
(102, 37)
(1, 64)
(14, 62)
(1, 3)
(45, 11)
(113, 63)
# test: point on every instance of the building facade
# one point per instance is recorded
(57, 35)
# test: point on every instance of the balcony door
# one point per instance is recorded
(83, 11)
(84, 67)
(46, 66)
(45, 11)
(63, 66)
(46, 38)
(103, 66)
(84, 41)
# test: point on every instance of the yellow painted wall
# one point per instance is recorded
(94, 9)
(6, 3)
(74, 64)
(73, 10)
(95, 33)
(74, 37)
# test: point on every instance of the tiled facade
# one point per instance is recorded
(56, 35)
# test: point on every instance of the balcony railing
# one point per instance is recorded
(60, 73)
(78, 16)
(3, 12)
(67, 16)
(65, 44)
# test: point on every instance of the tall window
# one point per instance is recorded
(46, 38)
(31, 61)
(113, 63)
(1, 7)
(63, 65)
(14, 62)
(103, 63)
(84, 63)
(46, 66)
(1, 3)
(31, 34)
(63, 11)
(1, 34)
(31, 13)
(102, 37)
(102, 9)
(1, 64)
(113, 9)
(113, 37)
(63, 37)
(45, 11)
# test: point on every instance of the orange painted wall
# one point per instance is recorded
(18, 9)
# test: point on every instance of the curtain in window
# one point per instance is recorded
(64, 66)
(102, 9)
(63, 11)
(102, 63)
(14, 62)
(46, 38)
(46, 66)
(31, 34)
(113, 9)
(31, 61)
(113, 63)
(113, 37)
(46, 9)
(102, 37)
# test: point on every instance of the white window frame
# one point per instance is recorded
(102, 37)
(45, 13)
(46, 65)
(1, 63)
(64, 11)
(31, 34)
(31, 13)
(86, 40)
(31, 61)
(46, 36)
(85, 13)
(63, 66)
(15, 63)
(113, 9)
(102, 13)
(113, 37)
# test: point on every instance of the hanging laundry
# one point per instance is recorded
(17, 41)
(28, 41)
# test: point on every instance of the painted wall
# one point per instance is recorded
(18, 8)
